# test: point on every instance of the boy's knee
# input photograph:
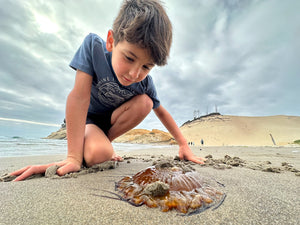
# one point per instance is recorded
(145, 104)
(94, 154)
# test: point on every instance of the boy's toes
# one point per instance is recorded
(117, 158)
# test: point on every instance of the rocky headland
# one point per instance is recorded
(135, 136)
(142, 136)
(61, 134)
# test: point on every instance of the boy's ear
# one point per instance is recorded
(110, 41)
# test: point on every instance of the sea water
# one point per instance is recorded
(19, 146)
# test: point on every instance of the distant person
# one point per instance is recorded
(202, 142)
(63, 125)
(113, 91)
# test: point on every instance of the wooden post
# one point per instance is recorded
(273, 139)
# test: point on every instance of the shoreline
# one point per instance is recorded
(122, 148)
(253, 196)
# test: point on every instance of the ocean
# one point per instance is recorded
(19, 146)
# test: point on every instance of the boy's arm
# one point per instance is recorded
(184, 150)
(77, 106)
(76, 111)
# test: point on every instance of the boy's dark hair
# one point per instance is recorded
(145, 22)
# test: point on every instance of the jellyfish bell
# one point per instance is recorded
(171, 185)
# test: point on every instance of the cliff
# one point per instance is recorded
(60, 134)
(137, 136)
(141, 136)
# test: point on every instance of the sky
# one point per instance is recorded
(237, 57)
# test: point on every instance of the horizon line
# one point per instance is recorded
(30, 122)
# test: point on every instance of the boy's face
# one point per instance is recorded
(131, 63)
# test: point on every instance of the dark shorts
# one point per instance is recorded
(101, 120)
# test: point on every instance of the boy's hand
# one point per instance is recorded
(186, 153)
(66, 166)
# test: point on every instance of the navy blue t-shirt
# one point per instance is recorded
(107, 92)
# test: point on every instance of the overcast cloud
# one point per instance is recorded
(240, 55)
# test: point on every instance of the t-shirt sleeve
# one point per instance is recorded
(82, 59)
(151, 92)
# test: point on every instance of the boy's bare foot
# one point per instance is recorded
(116, 157)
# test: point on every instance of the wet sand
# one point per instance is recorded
(255, 194)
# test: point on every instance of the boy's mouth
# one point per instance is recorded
(126, 79)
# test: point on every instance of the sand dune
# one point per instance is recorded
(219, 130)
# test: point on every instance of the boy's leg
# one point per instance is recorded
(97, 146)
(129, 115)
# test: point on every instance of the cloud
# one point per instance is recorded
(235, 55)
(241, 56)
(30, 122)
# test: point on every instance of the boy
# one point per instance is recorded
(113, 91)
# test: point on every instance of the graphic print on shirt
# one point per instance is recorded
(110, 94)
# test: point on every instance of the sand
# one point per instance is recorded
(253, 196)
(226, 130)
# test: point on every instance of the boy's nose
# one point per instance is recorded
(134, 72)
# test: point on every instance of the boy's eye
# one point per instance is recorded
(129, 59)
(146, 67)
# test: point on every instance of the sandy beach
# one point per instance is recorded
(254, 196)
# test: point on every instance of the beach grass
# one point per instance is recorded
(297, 142)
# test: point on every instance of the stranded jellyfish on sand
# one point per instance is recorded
(170, 185)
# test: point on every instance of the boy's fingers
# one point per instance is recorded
(62, 171)
(197, 161)
(30, 171)
(23, 176)
(20, 171)
(27, 171)
(67, 168)
(202, 159)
